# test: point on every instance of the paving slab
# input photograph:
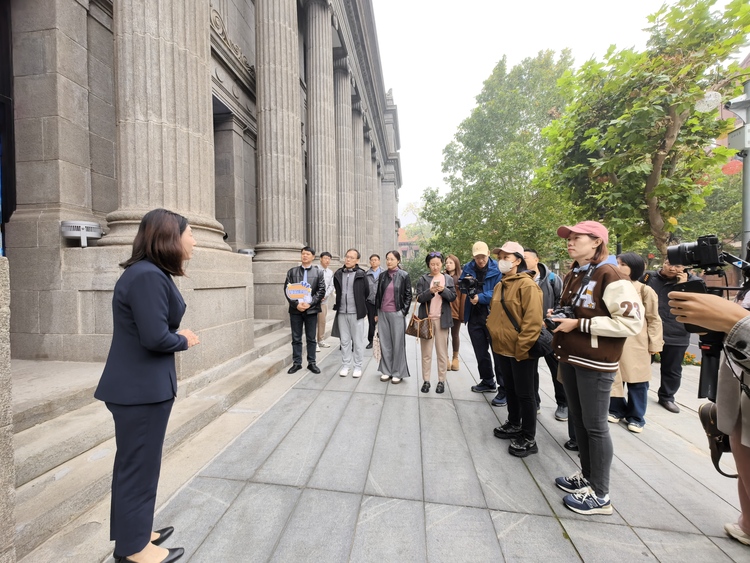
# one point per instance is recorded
(252, 448)
(732, 548)
(448, 470)
(529, 537)
(321, 528)
(346, 459)
(597, 542)
(396, 466)
(370, 380)
(389, 529)
(677, 547)
(250, 529)
(459, 533)
(294, 459)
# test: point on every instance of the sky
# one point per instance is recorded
(437, 54)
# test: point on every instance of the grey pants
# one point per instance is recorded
(352, 335)
(588, 405)
(392, 333)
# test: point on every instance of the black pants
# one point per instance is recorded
(371, 312)
(519, 389)
(139, 435)
(552, 364)
(671, 371)
(482, 344)
(310, 324)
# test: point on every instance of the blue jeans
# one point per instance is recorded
(632, 409)
(588, 405)
(310, 324)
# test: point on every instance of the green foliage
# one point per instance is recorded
(490, 164)
(631, 149)
(415, 267)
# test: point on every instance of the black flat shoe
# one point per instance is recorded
(164, 533)
(313, 368)
(426, 387)
(295, 368)
(174, 554)
(571, 445)
(440, 387)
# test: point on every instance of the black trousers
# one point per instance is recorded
(139, 435)
(310, 324)
(552, 364)
(671, 371)
(482, 344)
(371, 312)
(519, 388)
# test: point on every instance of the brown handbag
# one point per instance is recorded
(419, 328)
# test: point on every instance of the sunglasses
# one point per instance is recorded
(435, 255)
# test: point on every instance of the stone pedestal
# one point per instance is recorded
(164, 117)
(344, 156)
(322, 217)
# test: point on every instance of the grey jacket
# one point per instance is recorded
(372, 285)
(424, 296)
(551, 286)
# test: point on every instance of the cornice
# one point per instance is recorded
(104, 5)
(222, 42)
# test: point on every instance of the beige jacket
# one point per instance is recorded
(523, 298)
(635, 363)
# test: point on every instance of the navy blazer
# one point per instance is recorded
(147, 309)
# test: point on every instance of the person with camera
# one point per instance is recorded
(676, 338)
(635, 364)
(453, 269)
(551, 286)
(435, 292)
(599, 309)
(392, 300)
(478, 280)
(514, 323)
(732, 395)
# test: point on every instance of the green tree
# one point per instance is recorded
(632, 148)
(490, 164)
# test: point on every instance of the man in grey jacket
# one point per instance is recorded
(371, 276)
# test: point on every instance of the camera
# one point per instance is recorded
(469, 285)
(564, 312)
(704, 253)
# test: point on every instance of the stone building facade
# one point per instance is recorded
(265, 122)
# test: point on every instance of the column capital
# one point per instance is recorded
(342, 65)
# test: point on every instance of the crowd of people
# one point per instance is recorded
(608, 318)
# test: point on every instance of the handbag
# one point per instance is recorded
(543, 344)
(376, 352)
(419, 328)
(718, 442)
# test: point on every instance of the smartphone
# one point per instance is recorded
(436, 284)
(692, 286)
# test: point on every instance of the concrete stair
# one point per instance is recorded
(64, 462)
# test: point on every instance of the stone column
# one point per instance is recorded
(377, 221)
(360, 194)
(321, 127)
(388, 203)
(229, 163)
(165, 155)
(7, 469)
(344, 155)
(369, 246)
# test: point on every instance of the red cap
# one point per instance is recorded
(585, 228)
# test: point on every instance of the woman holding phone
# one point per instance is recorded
(435, 292)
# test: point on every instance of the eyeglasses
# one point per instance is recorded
(435, 255)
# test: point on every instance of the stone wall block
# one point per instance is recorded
(35, 96)
(30, 53)
(86, 316)
(29, 139)
(103, 193)
(7, 483)
(33, 15)
(101, 118)
(102, 156)
(73, 102)
(36, 346)
(85, 347)
(101, 44)
(50, 138)
(73, 144)
(38, 182)
(26, 302)
(75, 185)
(101, 80)
(103, 322)
(71, 60)
(22, 235)
(58, 312)
(71, 20)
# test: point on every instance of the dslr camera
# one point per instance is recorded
(469, 285)
(564, 312)
(704, 253)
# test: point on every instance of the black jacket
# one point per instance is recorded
(551, 286)
(674, 332)
(361, 288)
(146, 312)
(317, 283)
(401, 290)
(425, 296)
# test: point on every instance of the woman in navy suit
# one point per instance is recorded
(139, 382)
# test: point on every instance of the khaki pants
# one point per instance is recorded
(322, 321)
(440, 341)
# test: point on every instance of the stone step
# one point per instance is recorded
(46, 503)
(84, 377)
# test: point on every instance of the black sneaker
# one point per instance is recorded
(313, 368)
(507, 431)
(440, 387)
(483, 387)
(499, 400)
(521, 447)
(426, 387)
(295, 368)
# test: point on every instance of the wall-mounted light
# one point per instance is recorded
(81, 230)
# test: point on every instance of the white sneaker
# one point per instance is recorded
(317, 348)
(357, 373)
(736, 532)
(344, 372)
(324, 345)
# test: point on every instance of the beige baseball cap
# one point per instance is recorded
(480, 248)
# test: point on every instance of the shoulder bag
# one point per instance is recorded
(543, 344)
(419, 328)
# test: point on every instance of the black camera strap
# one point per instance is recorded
(511, 318)
(584, 282)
